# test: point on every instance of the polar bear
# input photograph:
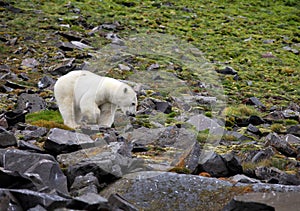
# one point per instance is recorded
(86, 98)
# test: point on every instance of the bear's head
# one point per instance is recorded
(128, 100)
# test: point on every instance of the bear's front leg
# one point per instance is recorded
(107, 114)
(89, 112)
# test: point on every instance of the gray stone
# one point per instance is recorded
(89, 201)
(85, 184)
(29, 199)
(31, 102)
(29, 63)
(244, 179)
(295, 130)
(61, 141)
(235, 205)
(291, 139)
(117, 202)
(7, 138)
(63, 68)
(171, 191)
(178, 147)
(34, 132)
(42, 166)
(45, 82)
(282, 146)
(214, 165)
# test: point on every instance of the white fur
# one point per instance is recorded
(84, 97)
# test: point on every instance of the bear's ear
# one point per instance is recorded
(125, 90)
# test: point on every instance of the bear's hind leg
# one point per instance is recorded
(66, 109)
(107, 115)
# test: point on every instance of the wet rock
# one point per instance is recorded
(117, 202)
(294, 130)
(66, 66)
(7, 138)
(89, 201)
(29, 199)
(177, 147)
(276, 176)
(62, 141)
(31, 102)
(244, 179)
(44, 166)
(29, 63)
(45, 82)
(15, 116)
(235, 205)
(85, 184)
(282, 146)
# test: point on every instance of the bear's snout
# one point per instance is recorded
(128, 113)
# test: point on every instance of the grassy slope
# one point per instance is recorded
(218, 28)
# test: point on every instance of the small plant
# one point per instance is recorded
(277, 128)
(46, 118)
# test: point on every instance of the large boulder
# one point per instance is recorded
(166, 148)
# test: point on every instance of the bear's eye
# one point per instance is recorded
(133, 104)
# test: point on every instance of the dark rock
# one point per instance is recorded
(274, 115)
(62, 141)
(85, 184)
(214, 165)
(228, 71)
(255, 120)
(29, 199)
(235, 205)
(89, 201)
(23, 76)
(233, 164)
(256, 102)
(14, 180)
(45, 166)
(164, 107)
(14, 117)
(117, 202)
(14, 85)
(251, 128)
(8, 201)
(7, 138)
(45, 82)
(37, 208)
(282, 146)
(294, 130)
(66, 46)
(274, 175)
(34, 132)
(31, 102)
(24, 145)
(263, 154)
(62, 69)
